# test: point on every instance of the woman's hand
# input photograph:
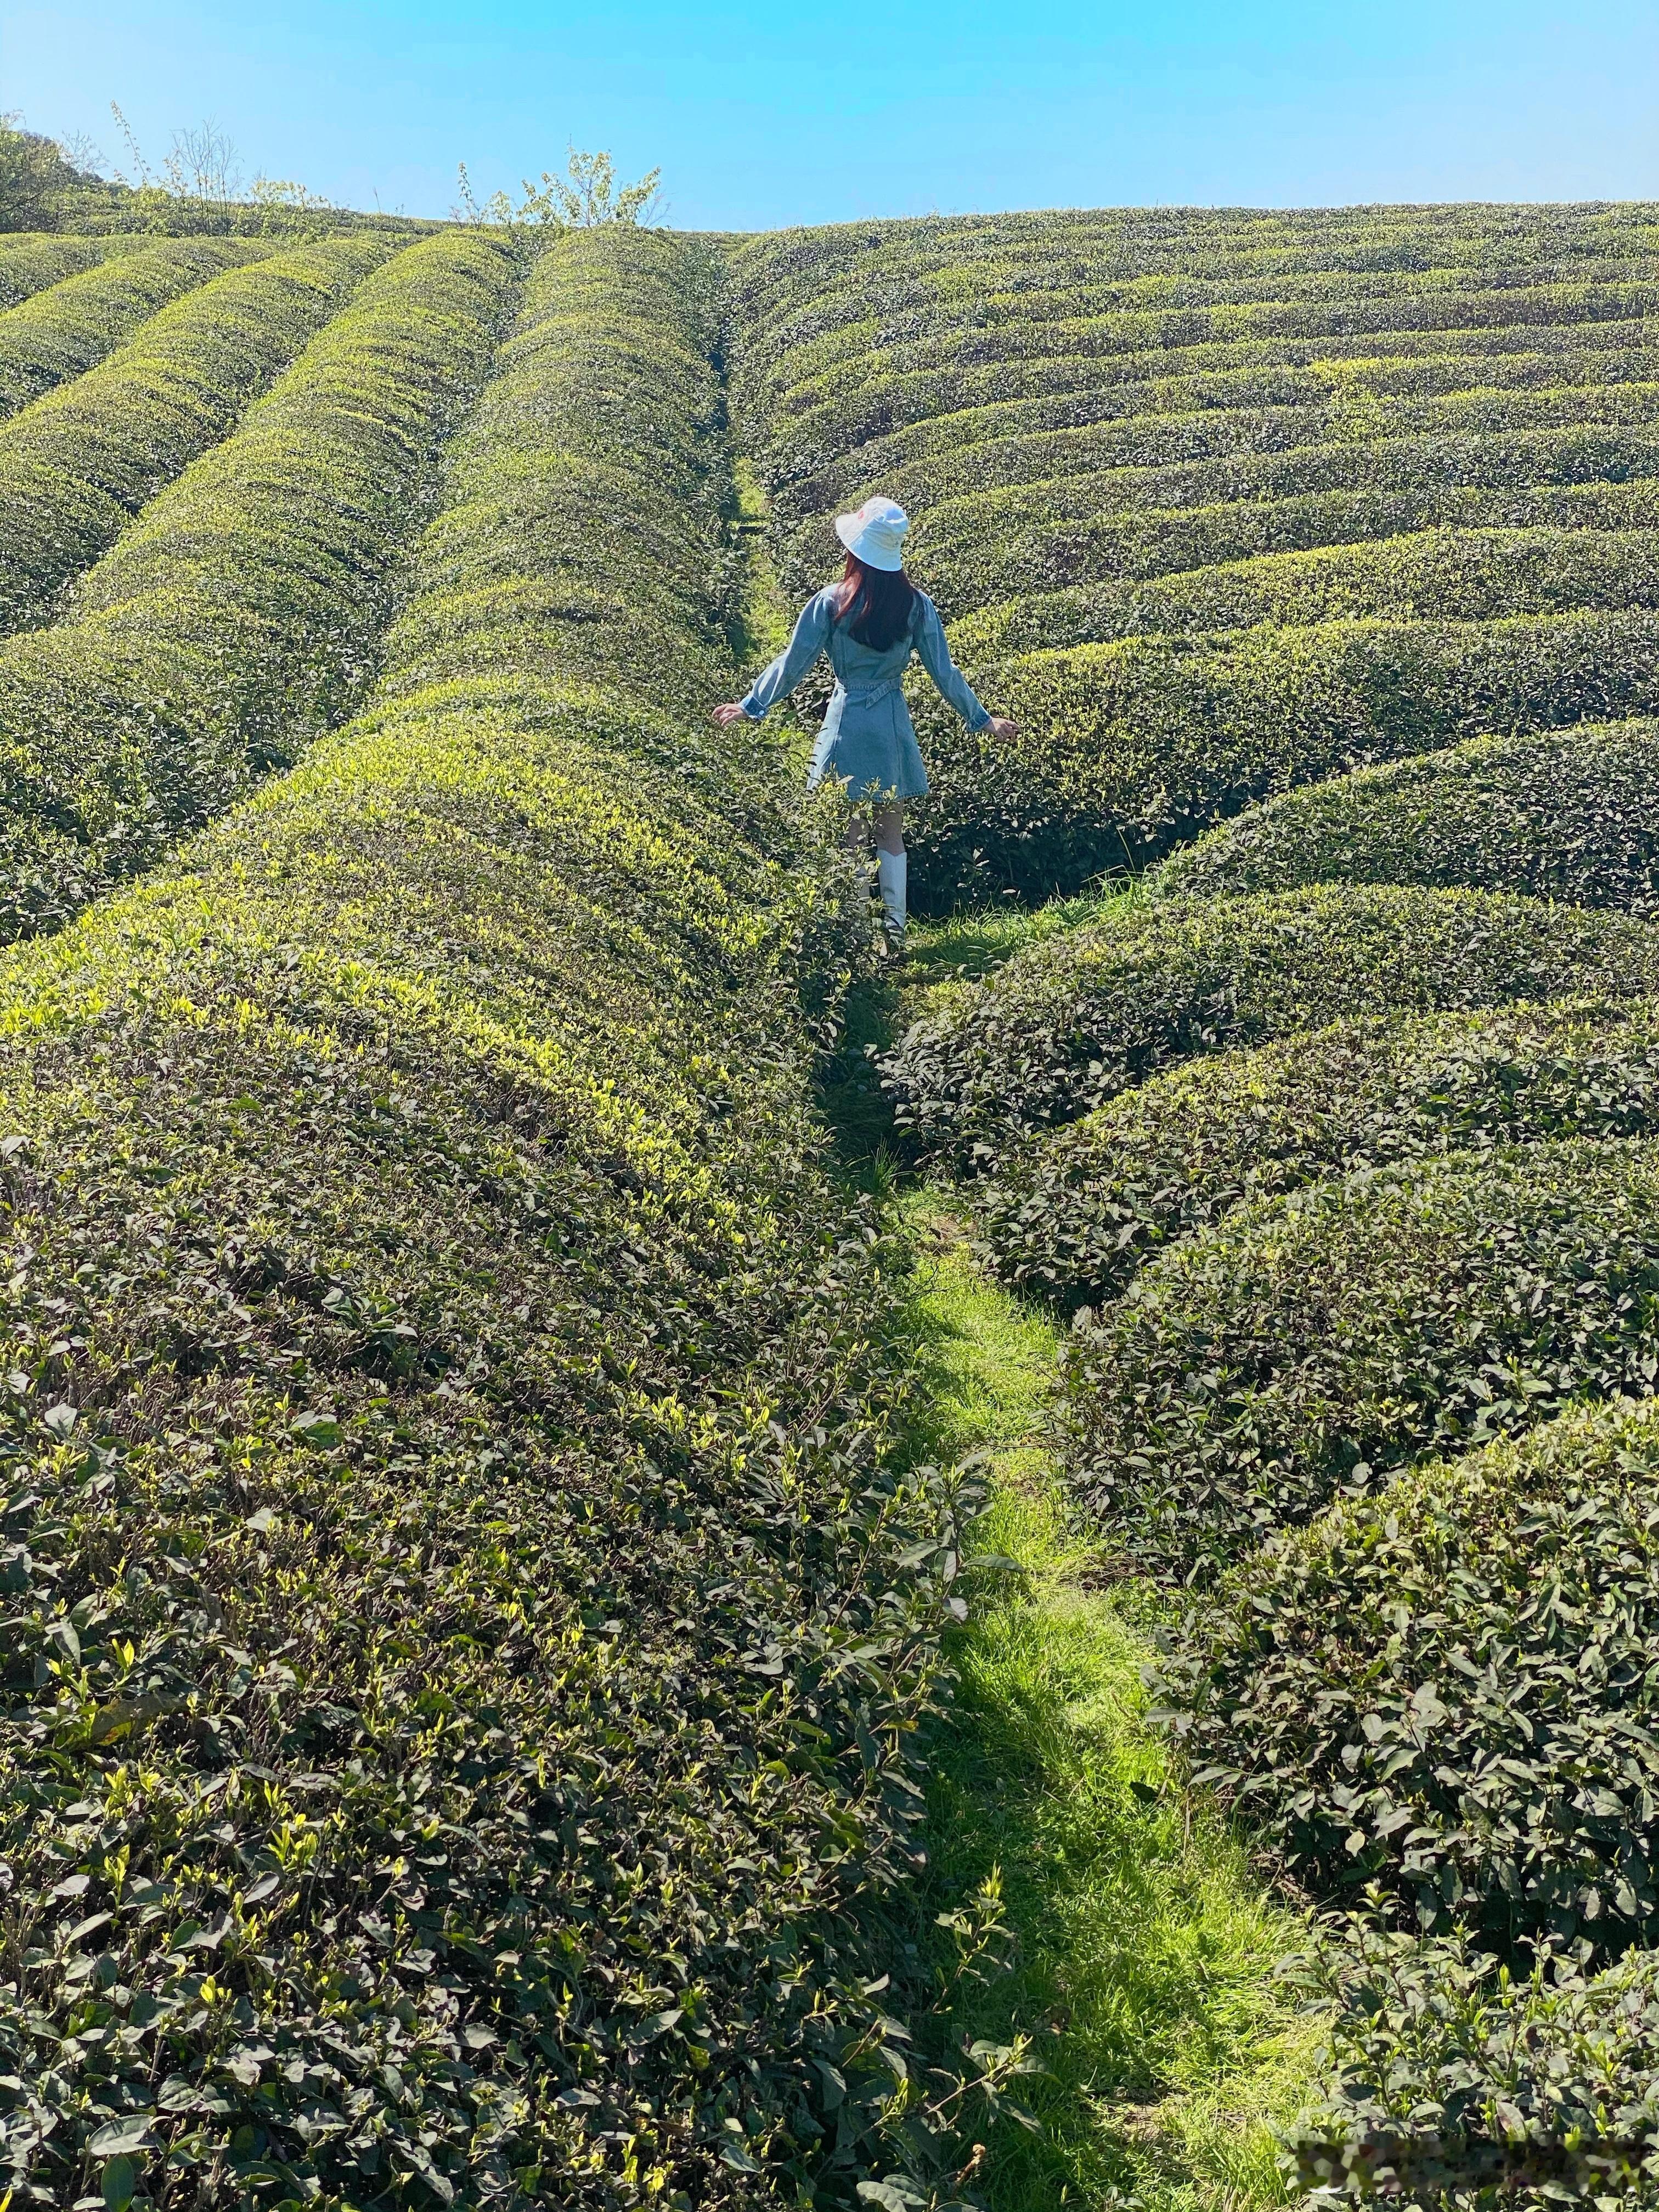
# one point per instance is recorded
(1000, 726)
(728, 712)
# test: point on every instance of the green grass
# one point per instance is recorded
(1143, 1946)
(969, 945)
(958, 949)
(758, 619)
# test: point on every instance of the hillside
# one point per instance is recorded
(481, 1611)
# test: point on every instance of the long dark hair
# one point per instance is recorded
(877, 604)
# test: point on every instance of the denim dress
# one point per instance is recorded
(867, 741)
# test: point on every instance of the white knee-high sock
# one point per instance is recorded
(894, 869)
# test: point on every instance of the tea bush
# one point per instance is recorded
(1126, 750)
(1071, 1216)
(59, 333)
(32, 261)
(874, 350)
(1443, 575)
(1456, 2083)
(464, 1643)
(1311, 1344)
(1080, 1016)
(965, 546)
(241, 613)
(1035, 584)
(938, 413)
(79, 464)
(1446, 1693)
(979, 457)
(1573, 814)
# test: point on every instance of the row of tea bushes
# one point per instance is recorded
(1127, 749)
(1375, 394)
(837, 309)
(1312, 1344)
(1445, 1692)
(463, 1640)
(1081, 1016)
(241, 613)
(76, 465)
(31, 260)
(1053, 579)
(971, 547)
(821, 302)
(1355, 423)
(828, 277)
(1071, 1216)
(1036, 304)
(983, 456)
(1446, 575)
(847, 366)
(61, 332)
(589, 570)
(1081, 387)
(1570, 814)
(1472, 1711)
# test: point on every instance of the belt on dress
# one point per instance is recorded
(867, 695)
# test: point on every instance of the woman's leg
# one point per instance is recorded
(892, 864)
(858, 831)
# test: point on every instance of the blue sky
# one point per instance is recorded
(760, 114)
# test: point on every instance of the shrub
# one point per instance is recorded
(1453, 2083)
(1111, 550)
(1445, 1693)
(873, 349)
(962, 546)
(936, 412)
(241, 614)
(77, 465)
(1310, 1345)
(1072, 1215)
(588, 515)
(978, 461)
(1441, 574)
(32, 261)
(1571, 814)
(59, 333)
(1082, 1015)
(1126, 750)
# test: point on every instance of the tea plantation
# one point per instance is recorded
(476, 1613)
(1315, 556)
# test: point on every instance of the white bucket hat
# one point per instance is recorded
(875, 533)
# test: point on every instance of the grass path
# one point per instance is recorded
(1144, 1947)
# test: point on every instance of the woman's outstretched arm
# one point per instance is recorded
(953, 686)
(811, 634)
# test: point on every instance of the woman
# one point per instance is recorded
(870, 623)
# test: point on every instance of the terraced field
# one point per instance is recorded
(462, 1638)
(477, 1613)
(1221, 505)
(1316, 556)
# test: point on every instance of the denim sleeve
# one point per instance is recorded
(812, 635)
(935, 656)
